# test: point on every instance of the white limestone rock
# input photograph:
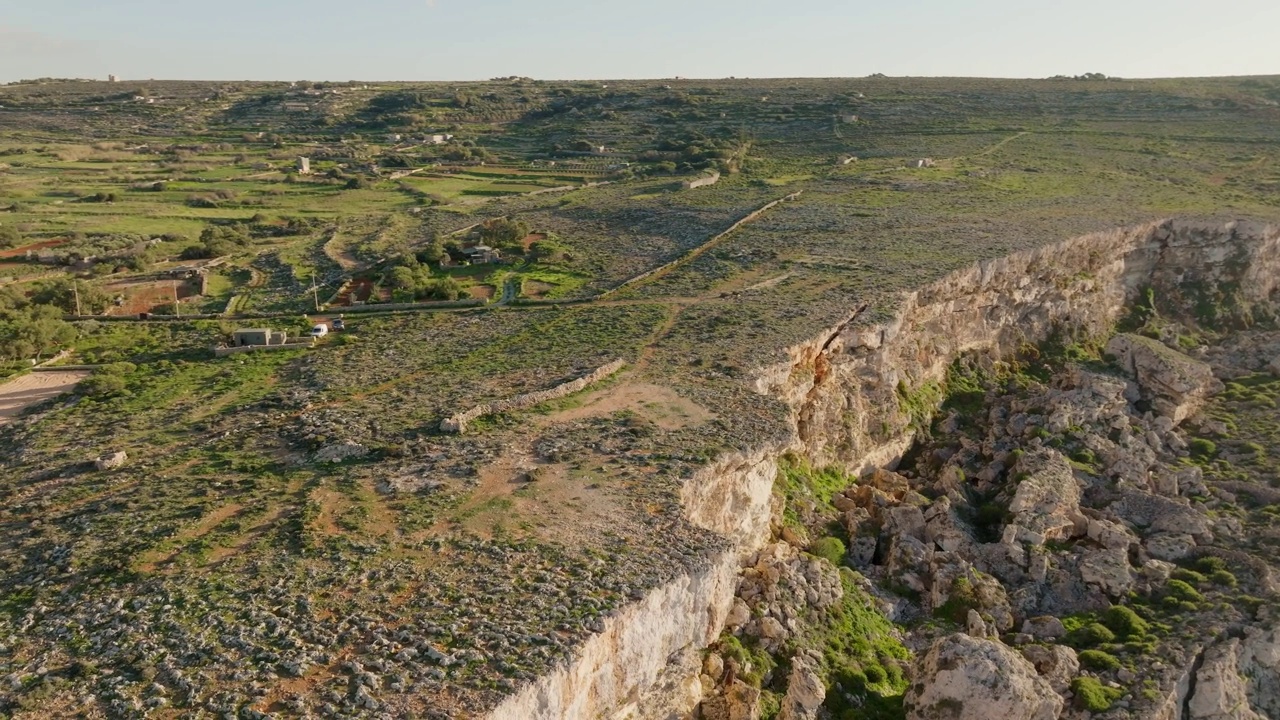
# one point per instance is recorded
(967, 678)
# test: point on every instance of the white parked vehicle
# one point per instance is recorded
(320, 330)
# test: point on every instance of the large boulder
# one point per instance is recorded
(739, 701)
(111, 460)
(1176, 385)
(1056, 663)
(1046, 505)
(968, 678)
(805, 690)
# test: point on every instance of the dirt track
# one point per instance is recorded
(32, 388)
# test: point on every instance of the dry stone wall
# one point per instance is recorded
(458, 423)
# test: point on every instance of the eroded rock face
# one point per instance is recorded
(1046, 505)
(967, 678)
(1220, 690)
(1175, 384)
(805, 690)
(1260, 661)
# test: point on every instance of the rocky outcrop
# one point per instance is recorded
(1237, 679)
(1057, 664)
(779, 583)
(634, 653)
(1176, 385)
(856, 393)
(805, 690)
(1220, 692)
(1260, 664)
(111, 461)
(852, 388)
(966, 678)
(1046, 505)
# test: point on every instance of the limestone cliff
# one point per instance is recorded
(855, 394)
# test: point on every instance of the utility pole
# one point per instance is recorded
(75, 288)
(315, 292)
(177, 308)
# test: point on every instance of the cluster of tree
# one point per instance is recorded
(100, 197)
(107, 381)
(30, 329)
(224, 238)
(211, 200)
(400, 101)
(412, 280)
(217, 241)
(504, 234)
(10, 236)
(1086, 76)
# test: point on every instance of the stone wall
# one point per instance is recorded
(458, 423)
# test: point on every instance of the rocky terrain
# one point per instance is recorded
(1064, 537)
(967, 438)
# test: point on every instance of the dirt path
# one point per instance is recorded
(1002, 143)
(33, 388)
(338, 250)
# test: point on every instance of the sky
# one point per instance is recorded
(614, 39)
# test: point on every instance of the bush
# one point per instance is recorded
(1179, 590)
(1098, 660)
(1190, 577)
(1124, 622)
(1091, 635)
(1210, 564)
(9, 236)
(1092, 695)
(830, 549)
(1202, 449)
(1224, 578)
(103, 385)
(875, 674)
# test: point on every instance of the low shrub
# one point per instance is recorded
(1191, 577)
(1181, 591)
(1202, 449)
(830, 549)
(1092, 695)
(1124, 622)
(1224, 578)
(1098, 660)
(1091, 635)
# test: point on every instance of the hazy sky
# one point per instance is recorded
(478, 39)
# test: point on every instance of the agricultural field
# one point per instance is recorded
(286, 517)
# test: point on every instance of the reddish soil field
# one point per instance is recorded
(21, 251)
(360, 290)
(532, 238)
(144, 297)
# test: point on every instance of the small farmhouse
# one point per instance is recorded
(703, 181)
(247, 337)
(481, 255)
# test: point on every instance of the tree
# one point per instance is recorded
(9, 236)
(441, 289)
(401, 278)
(61, 295)
(504, 233)
(30, 330)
